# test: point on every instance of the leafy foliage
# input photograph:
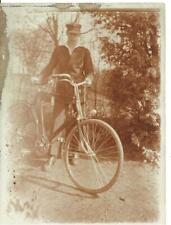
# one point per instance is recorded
(130, 47)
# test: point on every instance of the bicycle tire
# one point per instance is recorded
(23, 132)
(68, 151)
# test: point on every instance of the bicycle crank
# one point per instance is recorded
(42, 147)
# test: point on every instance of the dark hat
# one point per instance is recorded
(73, 28)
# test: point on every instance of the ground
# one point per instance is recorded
(52, 197)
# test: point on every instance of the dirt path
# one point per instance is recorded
(51, 196)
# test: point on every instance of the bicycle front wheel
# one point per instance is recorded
(98, 153)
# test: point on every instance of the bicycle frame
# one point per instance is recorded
(67, 124)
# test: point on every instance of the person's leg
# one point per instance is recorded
(64, 98)
(59, 119)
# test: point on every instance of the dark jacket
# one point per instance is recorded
(78, 64)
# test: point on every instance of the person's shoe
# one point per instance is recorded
(49, 163)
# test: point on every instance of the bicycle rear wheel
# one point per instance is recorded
(22, 130)
(99, 155)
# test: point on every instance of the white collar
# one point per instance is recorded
(66, 45)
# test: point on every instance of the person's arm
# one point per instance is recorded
(88, 66)
(44, 74)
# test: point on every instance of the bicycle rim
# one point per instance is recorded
(98, 156)
(21, 129)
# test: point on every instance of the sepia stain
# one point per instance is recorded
(126, 54)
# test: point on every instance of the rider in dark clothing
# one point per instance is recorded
(72, 59)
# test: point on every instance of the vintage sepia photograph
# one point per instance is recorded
(82, 113)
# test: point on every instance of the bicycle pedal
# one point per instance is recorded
(52, 161)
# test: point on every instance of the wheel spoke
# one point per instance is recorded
(86, 135)
(104, 142)
(106, 149)
(99, 158)
(98, 177)
(108, 157)
(110, 165)
(98, 137)
(93, 135)
(76, 138)
(100, 169)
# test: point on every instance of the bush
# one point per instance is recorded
(132, 82)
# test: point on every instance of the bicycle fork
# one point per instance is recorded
(84, 143)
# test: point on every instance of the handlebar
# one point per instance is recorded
(61, 77)
(67, 78)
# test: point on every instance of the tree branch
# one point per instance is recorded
(88, 31)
